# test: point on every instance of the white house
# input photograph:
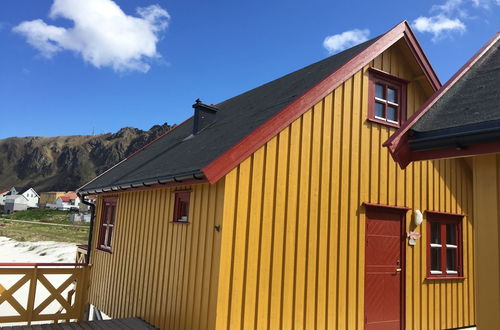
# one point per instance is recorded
(3, 194)
(32, 197)
(66, 202)
(15, 203)
(6, 192)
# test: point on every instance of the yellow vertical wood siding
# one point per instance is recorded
(162, 272)
(487, 215)
(292, 250)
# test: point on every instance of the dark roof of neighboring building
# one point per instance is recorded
(469, 111)
(461, 119)
(243, 123)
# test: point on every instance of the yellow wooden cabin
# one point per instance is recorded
(255, 213)
(462, 121)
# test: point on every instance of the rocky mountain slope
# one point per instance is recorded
(66, 162)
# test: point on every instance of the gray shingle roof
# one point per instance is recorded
(468, 112)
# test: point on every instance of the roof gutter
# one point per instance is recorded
(91, 228)
(196, 175)
(459, 140)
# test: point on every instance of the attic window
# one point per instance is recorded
(387, 99)
(181, 206)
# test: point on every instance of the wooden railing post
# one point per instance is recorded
(32, 294)
(73, 302)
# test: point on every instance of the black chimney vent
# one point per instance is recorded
(204, 115)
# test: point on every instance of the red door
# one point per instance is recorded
(383, 269)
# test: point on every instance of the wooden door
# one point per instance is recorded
(384, 267)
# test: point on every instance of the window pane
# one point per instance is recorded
(451, 237)
(435, 259)
(379, 110)
(391, 95)
(435, 233)
(379, 91)
(451, 259)
(392, 113)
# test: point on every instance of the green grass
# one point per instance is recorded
(40, 215)
(76, 233)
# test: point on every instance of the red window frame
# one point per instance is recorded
(181, 206)
(442, 220)
(377, 77)
(106, 228)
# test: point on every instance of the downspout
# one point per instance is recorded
(91, 228)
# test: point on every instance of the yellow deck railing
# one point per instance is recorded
(42, 292)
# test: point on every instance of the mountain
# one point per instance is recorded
(67, 162)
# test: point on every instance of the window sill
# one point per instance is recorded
(104, 250)
(432, 278)
(181, 222)
(383, 122)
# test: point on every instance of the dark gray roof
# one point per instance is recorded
(468, 112)
(179, 154)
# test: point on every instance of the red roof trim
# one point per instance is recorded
(248, 145)
(398, 142)
(403, 209)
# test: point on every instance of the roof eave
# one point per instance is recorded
(180, 179)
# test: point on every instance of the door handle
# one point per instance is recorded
(399, 270)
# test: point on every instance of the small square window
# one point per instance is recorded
(444, 245)
(181, 206)
(387, 99)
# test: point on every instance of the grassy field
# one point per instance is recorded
(40, 230)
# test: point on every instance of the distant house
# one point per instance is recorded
(15, 203)
(65, 202)
(3, 194)
(32, 198)
(49, 197)
(6, 192)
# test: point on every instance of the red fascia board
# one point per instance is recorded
(397, 208)
(422, 59)
(398, 144)
(248, 145)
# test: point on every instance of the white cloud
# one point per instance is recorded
(344, 40)
(449, 6)
(102, 33)
(485, 4)
(439, 26)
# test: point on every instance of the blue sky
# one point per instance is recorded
(66, 71)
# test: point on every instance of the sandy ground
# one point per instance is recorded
(13, 251)
(39, 252)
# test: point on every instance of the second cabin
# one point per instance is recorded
(280, 209)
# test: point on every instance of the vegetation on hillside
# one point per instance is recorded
(66, 162)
